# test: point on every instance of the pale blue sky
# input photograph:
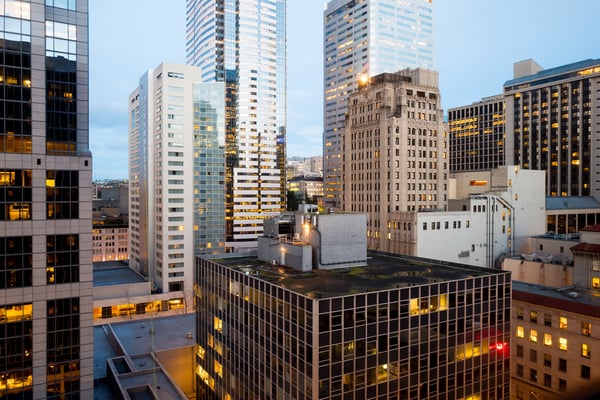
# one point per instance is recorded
(476, 45)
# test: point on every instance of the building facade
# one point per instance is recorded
(177, 174)
(46, 339)
(476, 135)
(551, 117)
(400, 327)
(395, 159)
(363, 39)
(243, 44)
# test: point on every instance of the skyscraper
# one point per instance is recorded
(46, 339)
(243, 43)
(364, 38)
(177, 174)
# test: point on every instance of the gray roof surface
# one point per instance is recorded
(115, 273)
(571, 203)
(547, 73)
(383, 272)
(583, 297)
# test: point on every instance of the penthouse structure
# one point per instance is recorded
(398, 327)
(46, 339)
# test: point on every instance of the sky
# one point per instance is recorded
(476, 44)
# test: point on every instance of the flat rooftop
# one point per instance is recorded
(382, 272)
(115, 273)
(569, 298)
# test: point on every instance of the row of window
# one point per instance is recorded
(437, 225)
(563, 322)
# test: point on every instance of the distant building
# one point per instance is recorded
(399, 327)
(110, 239)
(243, 46)
(476, 135)
(113, 194)
(177, 174)
(306, 188)
(300, 166)
(362, 39)
(395, 148)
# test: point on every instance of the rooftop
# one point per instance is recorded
(115, 273)
(571, 203)
(552, 74)
(383, 272)
(573, 299)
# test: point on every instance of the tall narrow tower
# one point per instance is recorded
(364, 38)
(46, 337)
(243, 43)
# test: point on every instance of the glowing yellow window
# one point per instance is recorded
(533, 335)
(562, 343)
(201, 352)
(218, 368)
(547, 339)
(218, 323)
(563, 323)
(595, 282)
(586, 350)
(520, 332)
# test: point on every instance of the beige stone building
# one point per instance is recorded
(395, 156)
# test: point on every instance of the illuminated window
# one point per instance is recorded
(533, 316)
(218, 368)
(201, 352)
(519, 312)
(586, 350)
(586, 329)
(533, 336)
(520, 332)
(547, 339)
(563, 323)
(562, 343)
(218, 323)
(595, 282)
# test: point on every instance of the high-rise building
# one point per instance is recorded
(476, 135)
(550, 117)
(177, 174)
(395, 151)
(243, 43)
(399, 327)
(46, 338)
(363, 39)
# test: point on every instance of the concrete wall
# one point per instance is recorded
(297, 255)
(179, 364)
(340, 239)
(539, 273)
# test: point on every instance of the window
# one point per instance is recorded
(547, 339)
(519, 351)
(596, 264)
(16, 263)
(62, 259)
(595, 282)
(563, 323)
(520, 332)
(562, 365)
(585, 372)
(586, 350)
(520, 312)
(547, 360)
(533, 355)
(533, 336)
(547, 319)
(562, 385)
(562, 343)
(63, 338)
(547, 380)
(533, 316)
(586, 329)
(519, 370)
(533, 375)
(15, 194)
(62, 194)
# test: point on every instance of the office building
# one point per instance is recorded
(399, 327)
(363, 39)
(550, 117)
(476, 135)
(46, 340)
(395, 150)
(177, 174)
(243, 44)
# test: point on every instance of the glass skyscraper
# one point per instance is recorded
(243, 43)
(46, 340)
(364, 38)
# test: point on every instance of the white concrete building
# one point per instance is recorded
(177, 168)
